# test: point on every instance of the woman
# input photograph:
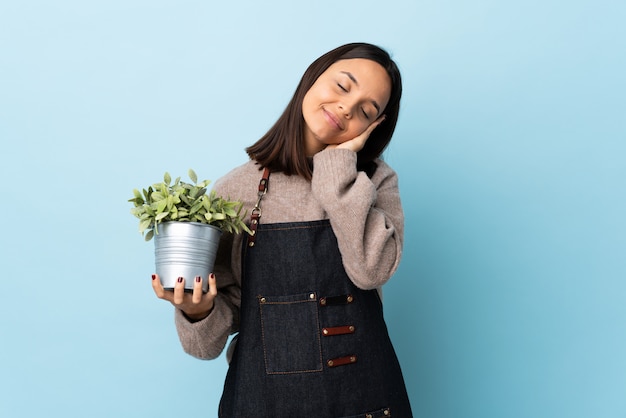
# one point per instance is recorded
(301, 292)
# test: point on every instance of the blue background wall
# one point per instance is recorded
(511, 152)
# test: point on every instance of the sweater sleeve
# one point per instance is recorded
(206, 339)
(365, 214)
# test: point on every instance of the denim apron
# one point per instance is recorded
(310, 344)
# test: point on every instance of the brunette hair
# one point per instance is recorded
(282, 148)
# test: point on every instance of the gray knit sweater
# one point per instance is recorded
(365, 215)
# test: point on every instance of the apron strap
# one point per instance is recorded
(255, 215)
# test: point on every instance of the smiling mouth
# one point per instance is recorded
(332, 119)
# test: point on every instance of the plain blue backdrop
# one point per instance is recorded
(510, 299)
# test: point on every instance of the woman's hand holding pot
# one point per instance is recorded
(196, 305)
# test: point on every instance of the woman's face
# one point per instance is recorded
(343, 102)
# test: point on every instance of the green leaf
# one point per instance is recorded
(145, 224)
(161, 216)
(195, 207)
(185, 199)
(192, 175)
(156, 197)
(161, 205)
(167, 178)
(206, 203)
(230, 212)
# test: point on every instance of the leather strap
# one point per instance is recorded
(255, 215)
(346, 329)
(341, 361)
(336, 300)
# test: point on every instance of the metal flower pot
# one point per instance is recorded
(185, 249)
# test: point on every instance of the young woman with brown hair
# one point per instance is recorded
(301, 292)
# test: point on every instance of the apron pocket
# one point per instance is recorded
(290, 331)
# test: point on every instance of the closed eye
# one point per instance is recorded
(365, 114)
(342, 87)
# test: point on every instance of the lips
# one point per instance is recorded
(332, 119)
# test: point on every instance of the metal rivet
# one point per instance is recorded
(349, 298)
(368, 416)
(312, 296)
(251, 244)
(263, 300)
(352, 359)
(386, 412)
(323, 301)
(325, 331)
(254, 221)
(330, 363)
(351, 328)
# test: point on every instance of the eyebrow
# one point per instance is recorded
(351, 77)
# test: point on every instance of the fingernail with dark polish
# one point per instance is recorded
(212, 276)
(198, 279)
(180, 280)
(153, 276)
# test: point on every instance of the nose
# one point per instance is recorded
(346, 110)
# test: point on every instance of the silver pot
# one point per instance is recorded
(185, 249)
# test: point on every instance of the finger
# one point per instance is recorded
(196, 296)
(357, 143)
(157, 286)
(212, 285)
(375, 124)
(179, 291)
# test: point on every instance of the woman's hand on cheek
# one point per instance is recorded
(356, 144)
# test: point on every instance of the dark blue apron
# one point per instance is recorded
(310, 344)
